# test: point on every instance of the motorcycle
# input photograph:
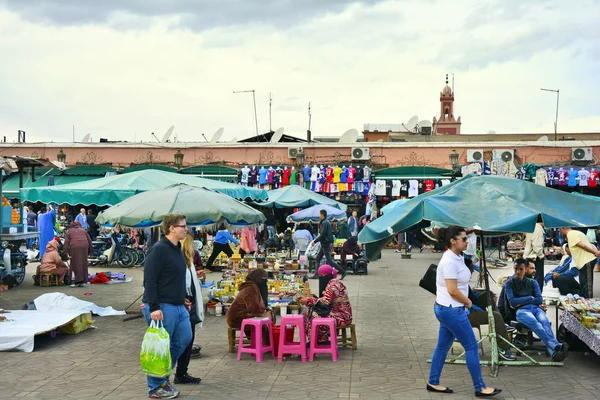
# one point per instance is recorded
(12, 265)
(113, 253)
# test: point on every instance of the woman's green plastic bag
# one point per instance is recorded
(155, 356)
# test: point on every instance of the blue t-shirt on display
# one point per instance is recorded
(322, 177)
(262, 176)
(573, 178)
(344, 175)
(306, 173)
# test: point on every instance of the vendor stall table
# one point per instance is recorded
(571, 323)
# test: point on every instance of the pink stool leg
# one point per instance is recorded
(258, 343)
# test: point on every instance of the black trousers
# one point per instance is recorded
(184, 359)
(539, 272)
(586, 280)
(217, 249)
(326, 250)
(566, 285)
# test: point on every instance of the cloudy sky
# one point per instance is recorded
(121, 69)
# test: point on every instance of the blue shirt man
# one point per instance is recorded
(82, 219)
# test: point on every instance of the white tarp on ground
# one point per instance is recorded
(60, 301)
(18, 331)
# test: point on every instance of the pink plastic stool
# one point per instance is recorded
(330, 348)
(256, 347)
(286, 347)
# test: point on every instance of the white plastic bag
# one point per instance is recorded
(312, 251)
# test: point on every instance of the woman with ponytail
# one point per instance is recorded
(452, 309)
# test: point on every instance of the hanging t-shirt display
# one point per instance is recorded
(270, 175)
(314, 174)
(253, 180)
(245, 174)
(380, 187)
(396, 188)
(486, 168)
(337, 171)
(551, 177)
(323, 175)
(263, 176)
(541, 177)
(445, 182)
(388, 188)
(421, 186)
(351, 172)
(285, 176)
(306, 173)
(277, 177)
(344, 175)
(366, 174)
(429, 185)
(572, 177)
(329, 174)
(358, 175)
(404, 188)
(593, 177)
(413, 188)
(584, 175)
(562, 176)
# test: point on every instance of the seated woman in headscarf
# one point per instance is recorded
(52, 263)
(251, 300)
(333, 293)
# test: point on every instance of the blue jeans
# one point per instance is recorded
(271, 231)
(535, 319)
(454, 323)
(177, 323)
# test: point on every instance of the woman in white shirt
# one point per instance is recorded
(451, 308)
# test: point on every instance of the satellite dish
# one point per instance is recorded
(543, 139)
(410, 125)
(215, 138)
(86, 138)
(350, 136)
(234, 140)
(277, 136)
(168, 134)
(425, 123)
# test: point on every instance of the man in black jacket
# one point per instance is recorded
(164, 296)
(326, 239)
(92, 226)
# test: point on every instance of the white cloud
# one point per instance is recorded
(126, 73)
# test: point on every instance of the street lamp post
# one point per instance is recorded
(178, 159)
(254, 100)
(453, 157)
(557, 91)
(61, 156)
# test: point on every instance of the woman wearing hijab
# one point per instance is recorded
(251, 300)
(333, 293)
(193, 301)
(52, 263)
(78, 246)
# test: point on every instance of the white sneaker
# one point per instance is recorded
(73, 285)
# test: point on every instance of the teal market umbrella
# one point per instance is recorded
(485, 203)
(312, 214)
(202, 208)
(388, 208)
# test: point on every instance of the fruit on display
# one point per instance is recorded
(15, 219)
(5, 202)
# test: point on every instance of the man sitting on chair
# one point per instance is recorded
(524, 295)
(563, 276)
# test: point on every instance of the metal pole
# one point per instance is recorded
(556, 120)
(255, 117)
(270, 103)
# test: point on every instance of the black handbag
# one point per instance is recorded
(428, 281)
(194, 318)
(321, 309)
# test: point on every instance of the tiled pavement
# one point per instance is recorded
(396, 330)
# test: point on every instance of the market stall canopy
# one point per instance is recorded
(297, 196)
(388, 208)
(114, 189)
(312, 214)
(12, 164)
(42, 177)
(486, 203)
(202, 208)
(587, 196)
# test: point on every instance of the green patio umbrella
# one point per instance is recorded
(202, 208)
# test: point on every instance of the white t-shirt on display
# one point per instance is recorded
(396, 188)
(380, 187)
(584, 176)
(451, 266)
(245, 174)
(314, 173)
(413, 188)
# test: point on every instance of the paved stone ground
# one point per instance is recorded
(396, 330)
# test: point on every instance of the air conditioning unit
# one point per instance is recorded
(360, 153)
(474, 155)
(506, 155)
(294, 152)
(581, 154)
